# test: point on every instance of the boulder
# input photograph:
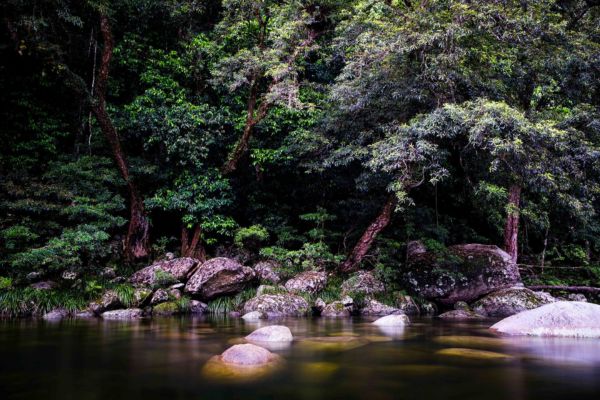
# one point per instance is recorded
(335, 309)
(84, 314)
(278, 305)
(44, 285)
(254, 316)
(141, 295)
(164, 272)
(460, 315)
(319, 305)
(307, 282)
(562, 318)
(407, 305)
(218, 276)
(272, 333)
(395, 320)
(198, 307)
(108, 301)
(373, 307)
(266, 271)
(128, 313)
(175, 294)
(160, 296)
(247, 354)
(462, 273)
(363, 282)
(56, 314)
(577, 297)
(506, 302)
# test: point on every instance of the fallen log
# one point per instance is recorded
(575, 289)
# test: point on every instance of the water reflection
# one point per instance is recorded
(329, 358)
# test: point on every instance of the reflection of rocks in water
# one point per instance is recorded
(575, 351)
(318, 371)
(395, 332)
(332, 343)
(473, 354)
(470, 341)
(241, 362)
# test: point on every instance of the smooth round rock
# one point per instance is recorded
(271, 333)
(392, 320)
(563, 318)
(247, 354)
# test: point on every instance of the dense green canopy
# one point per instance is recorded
(324, 133)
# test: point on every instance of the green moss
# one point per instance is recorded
(168, 308)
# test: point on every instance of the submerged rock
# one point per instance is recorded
(272, 333)
(129, 313)
(363, 282)
(562, 318)
(307, 282)
(473, 354)
(332, 343)
(278, 305)
(395, 320)
(373, 307)
(266, 271)
(465, 273)
(506, 302)
(164, 272)
(247, 354)
(241, 362)
(219, 276)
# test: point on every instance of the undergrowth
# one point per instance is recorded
(29, 301)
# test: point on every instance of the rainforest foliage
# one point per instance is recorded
(319, 133)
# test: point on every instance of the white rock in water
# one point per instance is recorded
(563, 318)
(247, 354)
(392, 320)
(272, 333)
(254, 316)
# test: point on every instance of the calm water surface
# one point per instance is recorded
(163, 359)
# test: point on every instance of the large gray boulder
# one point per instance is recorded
(506, 302)
(164, 272)
(307, 282)
(462, 273)
(218, 276)
(266, 272)
(271, 333)
(363, 282)
(129, 313)
(395, 320)
(278, 305)
(562, 318)
(373, 307)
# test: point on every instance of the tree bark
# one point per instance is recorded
(192, 247)
(137, 240)
(366, 240)
(511, 229)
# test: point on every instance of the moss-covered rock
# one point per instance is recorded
(460, 273)
(167, 308)
(506, 302)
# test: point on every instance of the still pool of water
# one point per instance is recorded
(330, 359)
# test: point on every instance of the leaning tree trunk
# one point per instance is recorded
(192, 247)
(511, 230)
(137, 240)
(366, 240)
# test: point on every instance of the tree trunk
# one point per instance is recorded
(511, 230)
(192, 247)
(366, 240)
(137, 240)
